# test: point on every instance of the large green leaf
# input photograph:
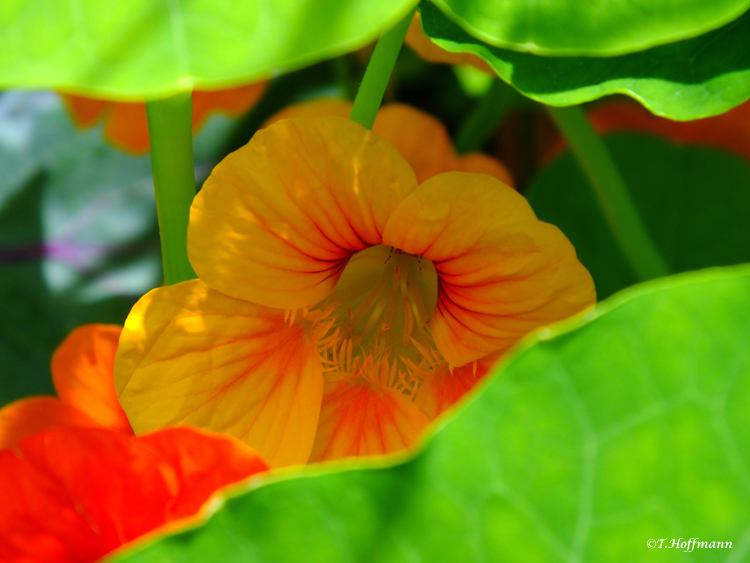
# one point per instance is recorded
(134, 48)
(694, 202)
(687, 80)
(594, 27)
(605, 433)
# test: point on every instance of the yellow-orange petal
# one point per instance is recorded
(126, 127)
(360, 418)
(420, 138)
(277, 220)
(28, 416)
(230, 101)
(191, 355)
(85, 112)
(417, 40)
(502, 273)
(445, 387)
(83, 374)
(484, 164)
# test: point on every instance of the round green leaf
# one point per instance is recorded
(628, 426)
(591, 28)
(694, 202)
(132, 49)
(687, 80)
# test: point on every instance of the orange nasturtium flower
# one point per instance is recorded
(420, 138)
(429, 51)
(729, 131)
(341, 305)
(125, 124)
(82, 373)
(74, 481)
(72, 494)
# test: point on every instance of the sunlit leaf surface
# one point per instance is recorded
(629, 426)
(694, 201)
(594, 27)
(134, 48)
(686, 80)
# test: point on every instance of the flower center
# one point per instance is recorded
(380, 311)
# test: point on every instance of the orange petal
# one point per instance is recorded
(85, 111)
(359, 418)
(83, 374)
(484, 164)
(37, 524)
(230, 101)
(420, 138)
(277, 220)
(322, 107)
(191, 355)
(417, 40)
(31, 415)
(502, 273)
(75, 494)
(195, 455)
(445, 387)
(126, 127)
(728, 130)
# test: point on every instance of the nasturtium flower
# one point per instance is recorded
(728, 131)
(73, 495)
(83, 376)
(125, 124)
(341, 304)
(429, 51)
(420, 138)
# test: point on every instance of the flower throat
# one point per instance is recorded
(380, 311)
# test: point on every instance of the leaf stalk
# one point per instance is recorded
(611, 193)
(378, 73)
(171, 136)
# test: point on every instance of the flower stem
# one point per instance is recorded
(482, 121)
(171, 135)
(611, 193)
(378, 72)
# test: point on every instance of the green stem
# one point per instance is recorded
(611, 193)
(482, 121)
(171, 134)
(378, 72)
